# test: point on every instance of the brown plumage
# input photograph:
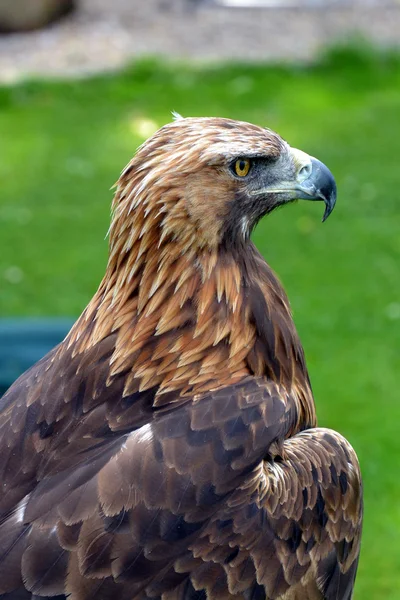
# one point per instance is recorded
(168, 447)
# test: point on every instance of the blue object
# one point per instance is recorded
(25, 341)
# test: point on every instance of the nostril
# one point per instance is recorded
(304, 172)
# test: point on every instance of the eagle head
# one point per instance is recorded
(206, 182)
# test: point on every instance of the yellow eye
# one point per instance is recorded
(242, 167)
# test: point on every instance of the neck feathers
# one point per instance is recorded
(186, 324)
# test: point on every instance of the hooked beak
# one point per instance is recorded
(309, 179)
(314, 181)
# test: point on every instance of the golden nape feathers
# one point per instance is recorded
(168, 447)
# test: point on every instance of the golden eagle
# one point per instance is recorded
(168, 448)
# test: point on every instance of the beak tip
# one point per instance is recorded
(328, 210)
(329, 204)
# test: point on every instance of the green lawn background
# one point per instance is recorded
(63, 144)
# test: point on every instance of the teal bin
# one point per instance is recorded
(25, 341)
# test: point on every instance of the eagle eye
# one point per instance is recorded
(242, 166)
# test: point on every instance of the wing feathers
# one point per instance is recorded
(210, 480)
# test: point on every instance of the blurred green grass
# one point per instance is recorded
(63, 145)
